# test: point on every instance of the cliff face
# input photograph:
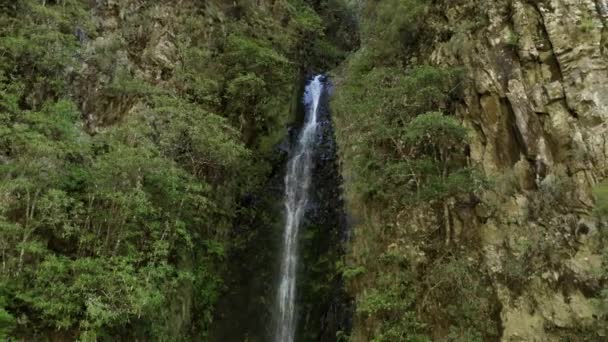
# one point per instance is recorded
(536, 102)
(534, 98)
(131, 39)
(541, 65)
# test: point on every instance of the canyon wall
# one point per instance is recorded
(533, 97)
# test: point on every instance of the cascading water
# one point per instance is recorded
(315, 306)
(297, 183)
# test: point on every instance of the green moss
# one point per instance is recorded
(600, 192)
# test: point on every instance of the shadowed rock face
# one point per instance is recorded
(322, 306)
(324, 312)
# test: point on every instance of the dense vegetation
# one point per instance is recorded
(122, 165)
(405, 156)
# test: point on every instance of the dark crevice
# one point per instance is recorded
(516, 143)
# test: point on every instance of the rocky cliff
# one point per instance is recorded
(533, 96)
(536, 101)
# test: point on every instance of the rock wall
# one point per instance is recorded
(536, 98)
(543, 65)
(132, 38)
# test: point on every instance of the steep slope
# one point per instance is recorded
(131, 135)
(515, 253)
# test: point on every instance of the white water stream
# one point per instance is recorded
(297, 183)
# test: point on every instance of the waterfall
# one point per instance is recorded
(297, 183)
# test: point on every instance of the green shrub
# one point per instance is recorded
(7, 321)
(400, 147)
(600, 192)
(587, 24)
(392, 304)
(458, 292)
(512, 39)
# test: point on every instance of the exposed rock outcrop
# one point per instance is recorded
(534, 97)
(536, 100)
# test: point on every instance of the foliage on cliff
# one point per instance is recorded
(121, 168)
(406, 161)
(530, 239)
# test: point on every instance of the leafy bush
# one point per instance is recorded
(401, 151)
(104, 216)
(392, 303)
(458, 292)
(7, 321)
(587, 24)
(37, 45)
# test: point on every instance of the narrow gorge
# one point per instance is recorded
(309, 301)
